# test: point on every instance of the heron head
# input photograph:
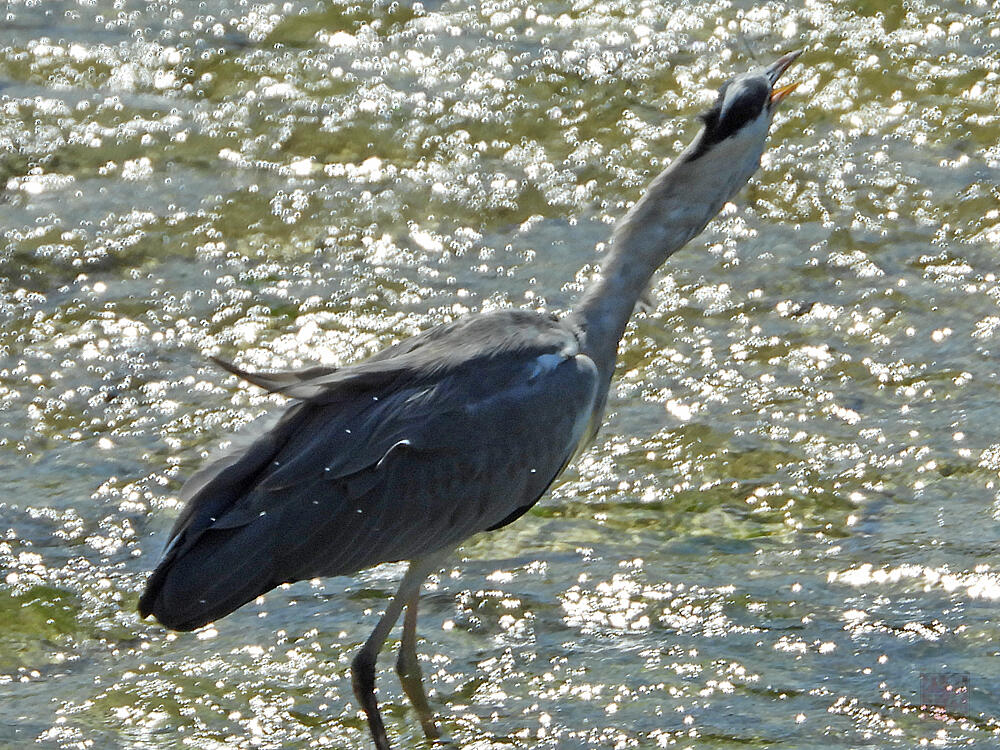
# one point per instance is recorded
(744, 107)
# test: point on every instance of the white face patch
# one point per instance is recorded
(545, 363)
(725, 166)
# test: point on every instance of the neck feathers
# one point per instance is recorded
(675, 207)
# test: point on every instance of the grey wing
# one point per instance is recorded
(457, 469)
(379, 478)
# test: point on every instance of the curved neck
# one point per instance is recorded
(675, 207)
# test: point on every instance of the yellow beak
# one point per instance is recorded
(780, 93)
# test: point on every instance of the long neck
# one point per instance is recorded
(675, 207)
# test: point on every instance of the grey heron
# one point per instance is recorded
(457, 430)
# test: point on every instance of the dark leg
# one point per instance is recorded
(408, 669)
(363, 672)
(363, 666)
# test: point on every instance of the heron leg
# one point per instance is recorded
(363, 665)
(408, 669)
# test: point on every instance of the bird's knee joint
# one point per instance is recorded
(362, 663)
(407, 664)
(363, 673)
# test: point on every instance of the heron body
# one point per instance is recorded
(391, 459)
(458, 430)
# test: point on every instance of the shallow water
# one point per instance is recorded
(792, 512)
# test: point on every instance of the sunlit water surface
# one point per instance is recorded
(792, 512)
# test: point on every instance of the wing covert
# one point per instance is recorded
(420, 470)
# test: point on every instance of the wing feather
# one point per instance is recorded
(275, 382)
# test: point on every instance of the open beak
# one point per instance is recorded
(774, 73)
